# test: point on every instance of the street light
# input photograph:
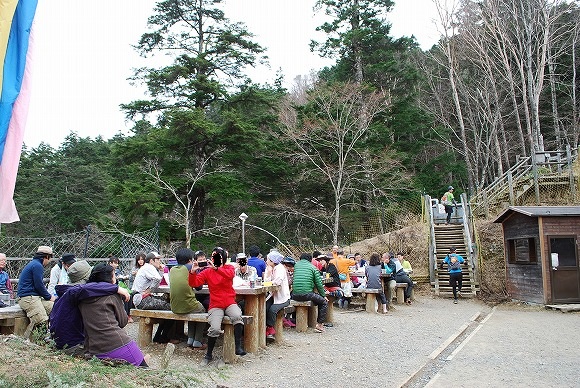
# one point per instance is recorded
(243, 217)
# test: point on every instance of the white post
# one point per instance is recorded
(243, 217)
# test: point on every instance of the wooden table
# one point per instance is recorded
(255, 305)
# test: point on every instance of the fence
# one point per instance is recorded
(91, 244)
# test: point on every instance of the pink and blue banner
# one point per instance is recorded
(16, 18)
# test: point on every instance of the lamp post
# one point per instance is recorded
(243, 217)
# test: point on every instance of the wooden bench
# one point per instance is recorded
(13, 320)
(371, 296)
(401, 287)
(147, 318)
(303, 318)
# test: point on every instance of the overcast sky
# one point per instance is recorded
(83, 56)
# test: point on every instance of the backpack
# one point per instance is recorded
(444, 198)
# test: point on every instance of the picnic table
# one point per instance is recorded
(255, 305)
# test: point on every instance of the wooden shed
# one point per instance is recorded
(541, 253)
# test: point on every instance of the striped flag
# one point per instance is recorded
(15, 46)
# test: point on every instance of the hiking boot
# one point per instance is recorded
(455, 301)
(206, 360)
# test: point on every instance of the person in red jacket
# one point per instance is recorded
(222, 299)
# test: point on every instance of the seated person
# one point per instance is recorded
(316, 262)
(35, 299)
(406, 265)
(201, 259)
(104, 319)
(256, 261)
(58, 273)
(373, 274)
(306, 280)
(5, 284)
(343, 265)
(389, 268)
(183, 300)
(222, 299)
(332, 288)
(66, 325)
(279, 298)
(148, 278)
(244, 272)
(402, 277)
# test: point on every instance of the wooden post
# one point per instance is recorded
(301, 318)
(370, 303)
(145, 332)
(229, 345)
(279, 327)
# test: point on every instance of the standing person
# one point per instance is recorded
(306, 280)
(183, 300)
(35, 299)
(58, 273)
(343, 264)
(373, 274)
(104, 319)
(279, 298)
(402, 277)
(256, 261)
(454, 261)
(222, 299)
(448, 201)
(5, 284)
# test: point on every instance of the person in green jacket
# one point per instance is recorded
(306, 281)
(183, 299)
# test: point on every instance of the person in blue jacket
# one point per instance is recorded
(454, 261)
(33, 296)
(256, 261)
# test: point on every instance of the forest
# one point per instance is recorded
(366, 136)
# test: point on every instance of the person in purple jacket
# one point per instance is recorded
(66, 324)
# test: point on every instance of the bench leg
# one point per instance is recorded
(279, 327)
(301, 319)
(370, 306)
(145, 332)
(330, 309)
(20, 325)
(251, 331)
(229, 344)
(312, 315)
(400, 295)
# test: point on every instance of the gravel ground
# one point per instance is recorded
(432, 343)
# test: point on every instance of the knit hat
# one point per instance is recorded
(44, 250)
(79, 272)
(275, 257)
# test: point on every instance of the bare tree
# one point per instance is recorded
(182, 213)
(328, 135)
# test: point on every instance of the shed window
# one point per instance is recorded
(522, 251)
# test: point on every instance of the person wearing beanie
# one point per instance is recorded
(66, 324)
(219, 278)
(78, 272)
(35, 299)
(280, 298)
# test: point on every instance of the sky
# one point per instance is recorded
(83, 56)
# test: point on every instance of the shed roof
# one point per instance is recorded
(539, 211)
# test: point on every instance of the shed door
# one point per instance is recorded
(564, 269)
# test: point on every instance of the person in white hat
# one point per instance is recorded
(34, 298)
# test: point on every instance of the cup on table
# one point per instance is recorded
(252, 283)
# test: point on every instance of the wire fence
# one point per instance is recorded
(92, 244)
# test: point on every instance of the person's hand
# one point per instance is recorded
(52, 298)
(124, 294)
(194, 267)
(326, 298)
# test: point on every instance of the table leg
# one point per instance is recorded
(262, 320)
(251, 334)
